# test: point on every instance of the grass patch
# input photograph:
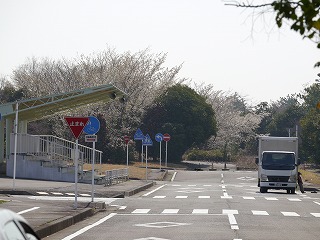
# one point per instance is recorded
(2, 201)
(310, 176)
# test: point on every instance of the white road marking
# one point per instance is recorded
(181, 197)
(207, 185)
(43, 193)
(28, 210)
(231, 217)
(203, 196)
(141, 211)
(84, 195)
(317, 203)
(57, 193)
(193, 185)
(80, 199)
(122, 207)
(102, 220)
(173, 177)
(261, 213)
(290, 214)
(147, 194)
(315, 214)
(162, 224)
(249, 198)
(170, 211)
(159, 197)
(271, 198)
(294, 199)
(226, 196)
(70, 194)
(200, 211)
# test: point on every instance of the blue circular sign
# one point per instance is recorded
(92, 126)
(159, 137)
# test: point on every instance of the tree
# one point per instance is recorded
(303, 15)
(236, 122)
(185, 115)
(282, 117)
(142, 76)
(310, 124)
(9, 93)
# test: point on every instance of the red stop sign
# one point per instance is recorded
(166, 137)
(126, 139)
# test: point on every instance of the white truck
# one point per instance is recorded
(277, 163)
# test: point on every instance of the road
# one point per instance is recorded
(205, 205)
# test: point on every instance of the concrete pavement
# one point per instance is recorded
(50, 206)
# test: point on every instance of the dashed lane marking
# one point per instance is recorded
(170, 211)
(261, 213)
(290, 214)
(200, 211)
(141, 211)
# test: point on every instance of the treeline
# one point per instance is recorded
(197, 116)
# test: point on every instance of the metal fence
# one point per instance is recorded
(115, 176)
(58, 150)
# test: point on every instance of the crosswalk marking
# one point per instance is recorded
(271, 198)
(141, 211)
(294, 199)
(70, 194)
(85, 195)
(290, 214)
(57, 193)
(261, 213)
(170, 211)
(200, 211)
(227, 212)
(249, 198)
(203, 196)
(181, 197)
(43, 193)
(316, 214)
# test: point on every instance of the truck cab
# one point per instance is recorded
(277, 163)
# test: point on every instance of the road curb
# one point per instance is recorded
(62, 223)
(139, 189)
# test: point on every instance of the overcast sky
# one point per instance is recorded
(215, 43)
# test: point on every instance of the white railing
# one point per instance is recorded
(115, 176)
(53, 148)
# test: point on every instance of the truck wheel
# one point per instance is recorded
(263, 189)
(288, 191)
(293, 191)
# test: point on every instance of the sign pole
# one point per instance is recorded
(15, 146)
(141, 151)
(92, 173)
(127, 155)
(76, 175)
(166, 154)
(160, 155)
(146, 163)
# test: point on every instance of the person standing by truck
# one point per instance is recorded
(300, 182)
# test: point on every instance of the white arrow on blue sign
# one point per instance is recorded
(147, 141)
(92, 126)
(138, 135)
(159, 137)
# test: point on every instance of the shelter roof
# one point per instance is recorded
(37, 108)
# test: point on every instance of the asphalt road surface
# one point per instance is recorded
(205, 205)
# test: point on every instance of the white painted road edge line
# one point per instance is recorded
(173, 177)
(28, 210)
(89, 227)
(147, 194)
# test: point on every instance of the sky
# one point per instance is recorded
(228, 47)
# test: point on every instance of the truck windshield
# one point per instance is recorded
(281, 161)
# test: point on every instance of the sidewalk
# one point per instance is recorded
(47, 215)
